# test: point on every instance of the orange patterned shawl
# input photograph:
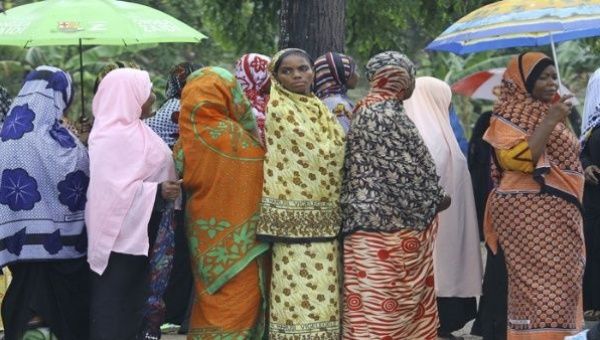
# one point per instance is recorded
(517, 114)
(222, 162)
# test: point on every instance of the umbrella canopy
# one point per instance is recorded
(91, 22)
(517, 23)
(483, 85)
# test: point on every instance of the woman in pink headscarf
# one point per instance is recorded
(252, 74)
(130, 170)
(457, 255)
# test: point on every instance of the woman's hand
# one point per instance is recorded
(591, 174)
(557, 113)
(170, 190)
(560, 110)
(444, 204)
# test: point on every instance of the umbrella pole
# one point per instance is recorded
(82, 118)
(556, 62)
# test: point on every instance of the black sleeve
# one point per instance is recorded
(594, 146)
(159, 201)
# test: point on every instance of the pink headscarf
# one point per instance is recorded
(252, 74)
(127, 161)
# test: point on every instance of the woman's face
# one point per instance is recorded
(545, 86)
(296, 74)
(147, 106)
(353, 80)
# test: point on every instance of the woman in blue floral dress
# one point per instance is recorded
(44, 173)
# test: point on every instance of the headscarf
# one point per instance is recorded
(516, 116)
(127, 161)
(113, 66)
(166, 120)
(305, 154)
(222, 174)
(391, 74)
(5, 101)
(177, 78)
(591, 109)
(252, 74)
(332, 71)
(390, 181)
(44, 174)
(458, 235)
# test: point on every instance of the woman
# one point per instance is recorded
(534, 213)
(490, 322)
(165, 121)
(222, 162)
(335, 73)
(390, 199)
(590, 159)
(457, 256)
(252, 74)
(300, 203)
(44, 175)
(130, 168)
(178, 296)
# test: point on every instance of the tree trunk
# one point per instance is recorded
(316, 26)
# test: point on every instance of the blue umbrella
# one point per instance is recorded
(519, 23)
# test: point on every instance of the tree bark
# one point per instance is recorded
(316, 26)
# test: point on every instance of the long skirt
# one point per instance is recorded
(455, 313)
(389, 289)
(591, 222)
(304, 297)
(55, 291)
(491, 316)
(118, 298)
(542, 239)
(235, 311)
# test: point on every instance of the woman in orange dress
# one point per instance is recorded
(222, 163)
(535, 210)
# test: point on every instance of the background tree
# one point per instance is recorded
(235, 27)
(315, 26)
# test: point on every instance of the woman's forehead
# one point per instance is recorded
(294, 60)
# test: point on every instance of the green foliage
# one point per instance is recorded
(378, 25)
(235, 27)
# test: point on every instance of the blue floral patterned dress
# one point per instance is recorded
(44, 173)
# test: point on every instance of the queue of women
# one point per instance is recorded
(306, 216)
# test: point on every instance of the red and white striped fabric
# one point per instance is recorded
(388, 285)
(482, 85)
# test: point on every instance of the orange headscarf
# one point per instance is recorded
(558, 170)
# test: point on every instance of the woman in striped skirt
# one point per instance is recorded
(390, 199)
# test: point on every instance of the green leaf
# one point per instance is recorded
(212, 233)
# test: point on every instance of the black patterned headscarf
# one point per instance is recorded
(177, 77)
(5, 101)
(113, 66)
(166, 120)
(390, 180)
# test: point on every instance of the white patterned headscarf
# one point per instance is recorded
(166, 120)
(591, 109)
